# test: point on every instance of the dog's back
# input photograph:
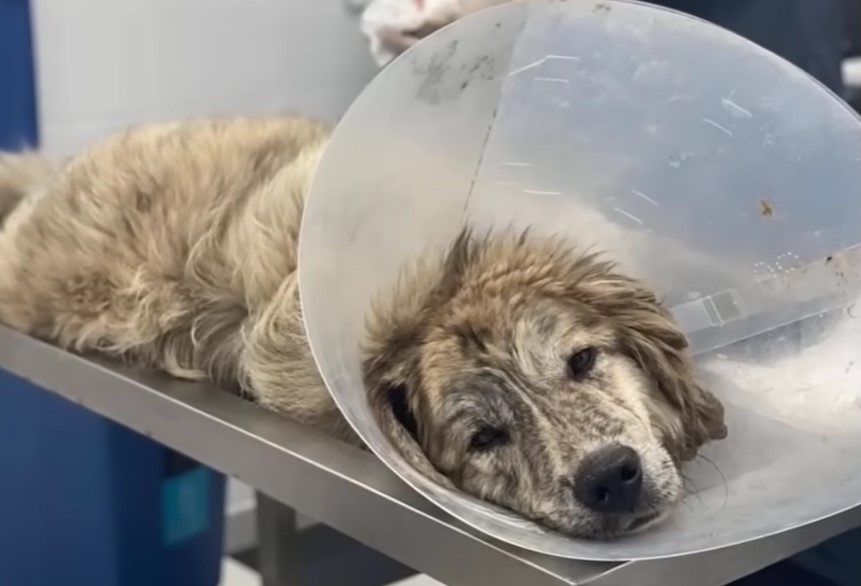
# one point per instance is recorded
(21, 174)
(173, 246)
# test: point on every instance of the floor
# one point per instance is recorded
(234, 573)
(330, 557)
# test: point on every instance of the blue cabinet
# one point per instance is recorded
(17, 86)
(84, 501)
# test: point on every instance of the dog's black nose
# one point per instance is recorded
(609, 480)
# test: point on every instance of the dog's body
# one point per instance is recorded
(512, 367)
(174, 246)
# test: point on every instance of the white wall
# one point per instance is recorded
(102, 64)
(105, 64)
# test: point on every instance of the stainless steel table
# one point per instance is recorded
(350, 490)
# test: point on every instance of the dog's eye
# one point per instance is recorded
(581, 362)
(488, 438)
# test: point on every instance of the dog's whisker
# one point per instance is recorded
(722, 477)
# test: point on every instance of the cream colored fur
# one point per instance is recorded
(174, 246)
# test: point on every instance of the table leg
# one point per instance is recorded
(277, 543)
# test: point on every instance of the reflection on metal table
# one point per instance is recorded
(351, 490)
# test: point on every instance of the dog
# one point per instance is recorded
(511, 366)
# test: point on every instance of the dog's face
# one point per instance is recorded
(542, 381)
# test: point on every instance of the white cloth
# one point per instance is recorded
(395, 25)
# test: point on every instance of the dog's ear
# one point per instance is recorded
(390, 371)
(651, 337)
(392, 382)
(394, 333)
(648, 334)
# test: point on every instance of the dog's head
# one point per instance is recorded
(539, 379)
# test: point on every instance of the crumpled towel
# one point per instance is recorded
(393, 26)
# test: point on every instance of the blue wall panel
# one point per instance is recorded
(18, 126)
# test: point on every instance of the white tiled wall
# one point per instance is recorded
(102, 64)
(105, 64)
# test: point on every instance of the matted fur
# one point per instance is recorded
(173, 246)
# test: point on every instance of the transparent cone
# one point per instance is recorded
(724, 176)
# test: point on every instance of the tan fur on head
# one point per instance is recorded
(174, 246)
(483, 340)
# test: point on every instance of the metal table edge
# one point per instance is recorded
(350, 490)
(332, 482)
